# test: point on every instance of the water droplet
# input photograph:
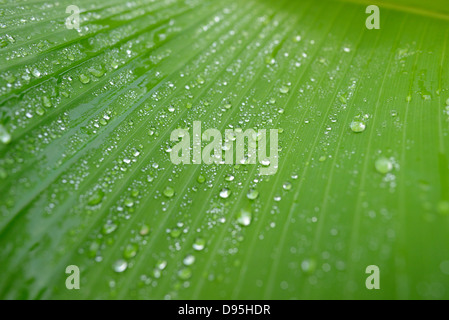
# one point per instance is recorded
(244, 217)
(308, 266)
(96, 72)
(393, 113)
(130, 251)
(200, 80)
(201, 179)
(184, 274)
(96, 198)
(383, 165)
(199, 244)
(171, 109)
(108, 228)
(120, 265)
(36, 73)
(229, 177)
(175, 233)
(227, 106)
(144, 230)
(5, 137)
(84, 79)
(358, 126)
(225, 193)
(46, 102)
(287, 186)
(128, 202)
(169, 192)
(161, 264)
(189, 260)
(40, 111)
(252, 194)
(284, 89)
(322, 159)
(447, 102)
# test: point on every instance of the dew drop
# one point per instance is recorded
(109, 228)
(287, 186)
(36, 73)
(161, 264)
(46, 102)
(244, 217)
(252, 194)
(144, 230)
(175, 233)
(201, 179)
(120, 265)
(96, 72)
(184, 274)
(188, 260)
(199, 244)
(5, 137)
(284, 89)
(169, 192)
(308, 266)
(130, 251)
(84, 79)
(383, 165)
(129, 202)
(358, 126)
(96, 198)
(40, 111)
(225, 193)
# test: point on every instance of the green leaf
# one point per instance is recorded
(86, 175)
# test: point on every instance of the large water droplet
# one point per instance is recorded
(84, 79)
(383, 165)
(5, 137)
(358, 126)
(252, 194)
(144, 230)
(244, 217)
(130, 251)
(199, 244)
(287, 186)
(184, 274)
(96, 198)
(169, 192)
(120, 265)
(308, 266)
(189, 260)
(225, 193)
(284, 89)
(108, 228)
